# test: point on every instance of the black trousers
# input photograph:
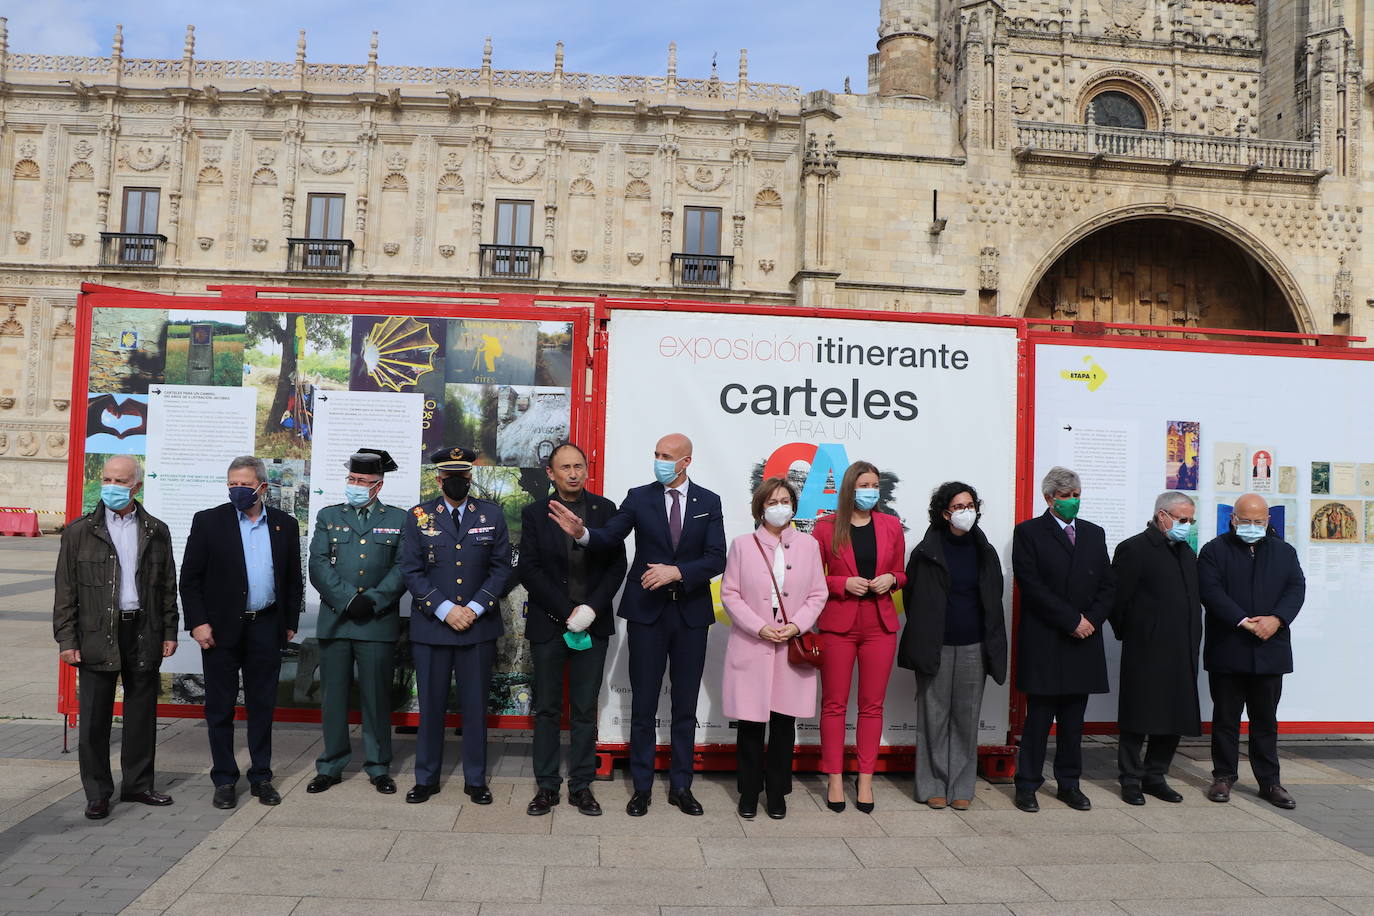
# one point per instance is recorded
(138, 741)
(257, 657)
(758, 769)
(667, 644)
(1257, 695)
(1150, 769)
(584, 689)
(1042, 711)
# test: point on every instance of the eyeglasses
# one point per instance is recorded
(1175, 517)
(360, 481)
(961, 507)
(1250, 521)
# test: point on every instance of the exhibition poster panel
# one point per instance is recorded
(763, 396)
(1136, 422)
(189, 390)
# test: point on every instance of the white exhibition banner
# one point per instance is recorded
(346, 421)
(764, 395)
(1136, 422)
(194, 431)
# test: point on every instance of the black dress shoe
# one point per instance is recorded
(421, 794)
(1132, 795)
(638, 805)
(685, 802)
(748, 806)
(777, 808)
(384, 784)
(1162, 791)
(480, 795)
(265, 792)
(157, 799)
(98, 810)
(226, 797)
(1277, 796)
(1075, 799)
(321, 783)
(585, 802)
(1026, 801)
(542, 803)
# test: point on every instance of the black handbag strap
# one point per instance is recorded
(774, 579)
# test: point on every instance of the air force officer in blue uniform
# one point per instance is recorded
(679, 549)
(456, 566)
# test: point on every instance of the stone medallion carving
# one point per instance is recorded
(703, 177)
(144, 157)
(515, 168)
(328, 161)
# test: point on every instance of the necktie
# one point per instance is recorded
(675, 518)
(362, 514)
(1071, 534)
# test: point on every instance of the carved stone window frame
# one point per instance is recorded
(1135, 87)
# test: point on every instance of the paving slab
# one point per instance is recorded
(232, 905)
(1122, 882)
(843, 887)
(901, 852)
(914, 909)
(327, 843)
(349, 880)
(1048, 822)
(652, 852)
(510, 881)
(1315, 879)
(779, 852)
(734, 887)
(494, 849)
(1242, 846)
(1245, 906)
(321, 906)
(982, 884)
(1062, 849)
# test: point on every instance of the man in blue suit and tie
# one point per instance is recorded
(679, 549)
(456, 565)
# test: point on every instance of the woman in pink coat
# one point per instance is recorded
(761, 687)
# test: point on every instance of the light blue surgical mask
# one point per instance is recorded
(115, 497)
(1180, 531)
(1251, 533)
(866, 498)
(665, 472)
(357, 495)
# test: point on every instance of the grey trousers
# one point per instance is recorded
(947, 707)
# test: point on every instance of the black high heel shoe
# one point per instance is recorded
(838, 806)
(864, 807)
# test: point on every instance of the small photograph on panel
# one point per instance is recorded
(1288, 479)
(1321, 478)
(205, 348)
(1231, 470)
(1182, 453)
(117, 424)
(1263, 472)
(1336, 521)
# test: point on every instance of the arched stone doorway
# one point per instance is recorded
(1166, 270)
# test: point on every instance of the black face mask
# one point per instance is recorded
(456, 488)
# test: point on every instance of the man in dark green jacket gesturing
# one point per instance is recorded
(355, 565)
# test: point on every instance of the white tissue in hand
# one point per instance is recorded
(581, 618)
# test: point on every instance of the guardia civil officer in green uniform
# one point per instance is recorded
(355, 565)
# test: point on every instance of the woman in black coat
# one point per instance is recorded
(955, 637)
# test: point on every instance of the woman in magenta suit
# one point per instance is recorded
(864, 553)
(761, 687)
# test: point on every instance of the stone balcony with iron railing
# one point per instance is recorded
(1092, 145)
(94, 76)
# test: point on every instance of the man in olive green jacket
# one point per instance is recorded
(115, 618)
(355, 566)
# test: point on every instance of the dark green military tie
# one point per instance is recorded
(362, 514)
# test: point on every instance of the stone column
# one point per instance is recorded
(907, 50)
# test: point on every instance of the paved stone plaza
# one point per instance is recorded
(352, 850)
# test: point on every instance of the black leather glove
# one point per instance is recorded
(360, 608)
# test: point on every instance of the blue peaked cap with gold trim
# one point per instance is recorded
(454, 458)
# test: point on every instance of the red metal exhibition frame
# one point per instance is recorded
(1137, 337)
(995, 760)
(319, 301)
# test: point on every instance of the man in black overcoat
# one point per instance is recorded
(1065, 582)
(1252, 587)
(1157, 616)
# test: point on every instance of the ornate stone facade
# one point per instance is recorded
(986, 150)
